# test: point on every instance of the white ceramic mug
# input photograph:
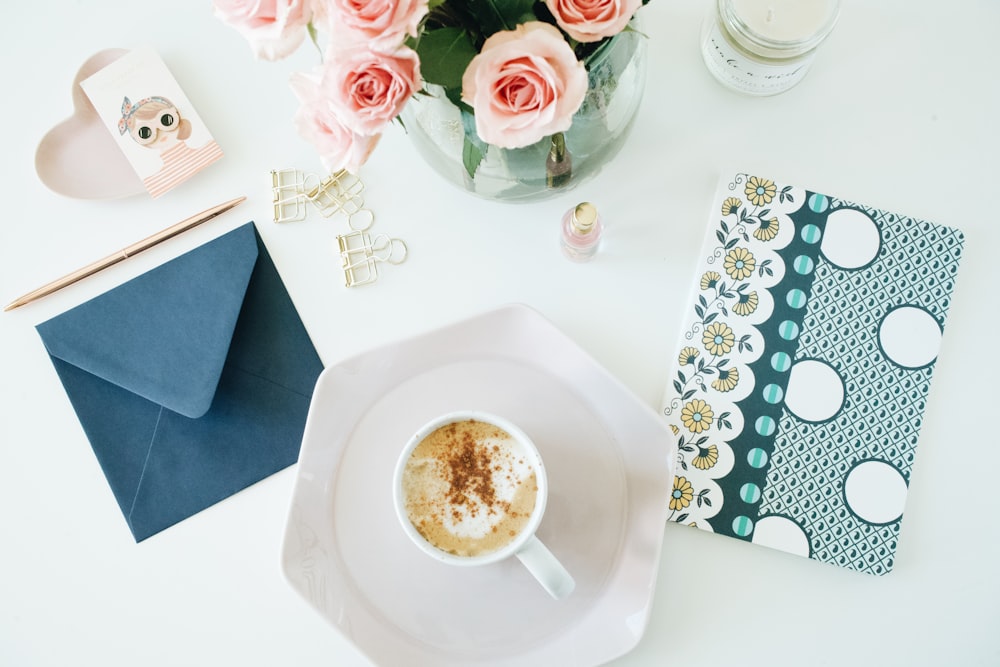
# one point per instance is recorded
(528, 548)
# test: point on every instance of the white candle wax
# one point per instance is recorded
(785, 20)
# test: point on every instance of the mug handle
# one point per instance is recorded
(549, 572)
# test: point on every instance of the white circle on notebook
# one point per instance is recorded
(815, 391)
(851, 239)
(910, 337)
(875, 491)
(779, 532)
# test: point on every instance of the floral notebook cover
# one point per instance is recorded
(803, 368)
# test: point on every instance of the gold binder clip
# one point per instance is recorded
(360, 255)
(288, 194)
(340, 192)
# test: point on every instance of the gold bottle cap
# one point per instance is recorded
(584, 217)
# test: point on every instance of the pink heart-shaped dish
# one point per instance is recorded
(78, 157)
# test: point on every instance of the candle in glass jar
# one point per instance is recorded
(764, 47)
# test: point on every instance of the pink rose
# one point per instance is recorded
(274, 28)
(592, 20)
(383, 24)
(338, 146)
(524, 84)
(368, 88)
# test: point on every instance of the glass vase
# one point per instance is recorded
(556, 163)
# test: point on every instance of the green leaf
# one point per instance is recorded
(497, 15)
(472, 156)
(445, 53)
(473, 148)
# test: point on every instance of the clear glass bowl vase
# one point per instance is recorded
(555, 164)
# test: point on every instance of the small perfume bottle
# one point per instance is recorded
(581, 232)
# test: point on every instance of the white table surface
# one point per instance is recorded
(900, 112)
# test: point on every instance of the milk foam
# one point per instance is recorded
(470, 488)
(478, 520)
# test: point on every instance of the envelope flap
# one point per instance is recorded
(163, 335)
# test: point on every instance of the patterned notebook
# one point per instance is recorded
(802, 371)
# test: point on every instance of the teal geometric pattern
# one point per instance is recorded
(882, 412)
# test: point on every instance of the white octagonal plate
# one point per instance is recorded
(610, 471)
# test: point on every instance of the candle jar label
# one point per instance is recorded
(736, 70)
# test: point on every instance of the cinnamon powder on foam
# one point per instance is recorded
(459, 462)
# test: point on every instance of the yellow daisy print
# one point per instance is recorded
(674, 428)
(745, 304)
(768, 230)
(760, 191)
(697, 416)
(707, 457)
(739, 263)
(687, 356)
(730, 206)
(727, 380)
(682, 495)
(710, 280)
(718, 339)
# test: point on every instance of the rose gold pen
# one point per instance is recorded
(124, 253)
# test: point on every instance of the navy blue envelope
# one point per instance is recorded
(191, 381)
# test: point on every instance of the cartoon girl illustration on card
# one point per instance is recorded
(156, 123)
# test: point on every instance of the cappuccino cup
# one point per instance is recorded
(470, 489)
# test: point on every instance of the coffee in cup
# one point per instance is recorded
(470, 489)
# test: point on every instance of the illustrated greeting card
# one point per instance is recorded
(152, 120)
(803, 368)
